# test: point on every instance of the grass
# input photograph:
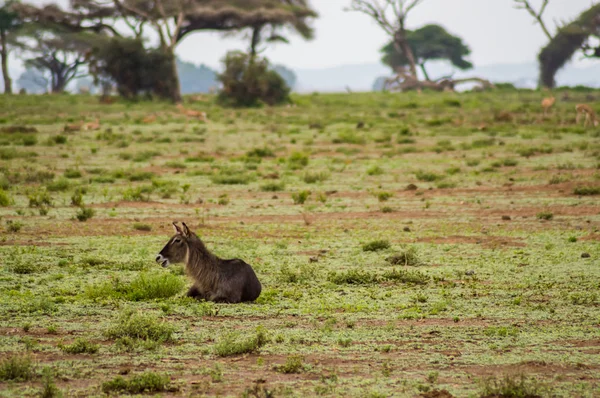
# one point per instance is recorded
(141, 326)
(236, 344)
(376, 245)
(471, 285)
(81, 346)
(16, 368)
(145, 383)
(512, 387)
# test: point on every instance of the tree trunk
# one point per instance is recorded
(401, 45)
(255, 40)
(422, 66)
(174, 85)
(5, 72)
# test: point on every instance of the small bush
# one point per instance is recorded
(85, 213)
(384, 196)
(49, 388)
(5, 199)
(148, 382)
(311, 178)
(81, 346)
(409, 277)
(16, 368)
(140, 326)
(406, 257)
(300, 197)
(352, 277)
(293, 364)
(231, 177)
(261, 153)
(13, 226)
(249, 81)
(60, 185)
(141, 176)
(545, 215)
(72, 173)
(142, 227)
(512, 387)
(273, 187)
(155, 286)
(587, 191)
(23, 267)
(376, 245)
(235, 344)
(427, 177)
(297, 161)
(375, 171)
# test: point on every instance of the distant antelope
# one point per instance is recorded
(547, 103)
(192, 113)
(215, 279)
(590, 115)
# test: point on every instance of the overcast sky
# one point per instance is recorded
(495, 31)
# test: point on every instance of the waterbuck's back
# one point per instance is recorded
(237, 277)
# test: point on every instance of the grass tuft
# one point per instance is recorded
(144, 383)
(376, 245)
(16, 368)
(236, 344)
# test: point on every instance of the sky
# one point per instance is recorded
(496, 32)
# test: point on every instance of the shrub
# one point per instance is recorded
(148, 382)
(545, 215)
(248, 81)
(374, 171)
(300, 197)
(384, 196)
(5, 199)
(13, 226)
(376, 245)
(49, 389)
(142, 227)
(154, 286)
(72, 173)
(60, 185)
(80, 346)
(261, 153)
(235, 344)
(311, 178)
(297, 161)
(587, 191)
(140, 326)
(273, 187)
(406, 257)
(16, 368)
(293, 364)
(512, 387)
(85, 213)
(352, 277)
(427, 177)
(409, 277)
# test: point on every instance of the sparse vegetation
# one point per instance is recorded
(145, 383)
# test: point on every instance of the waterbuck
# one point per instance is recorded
(215, 279)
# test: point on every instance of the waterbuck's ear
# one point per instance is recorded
(177, 229)
(186, 230)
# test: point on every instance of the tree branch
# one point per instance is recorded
(537, 15)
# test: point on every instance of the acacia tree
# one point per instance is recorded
(431, 42)
(56, 54)
(9, 25)
(567, 40)
(391, 16)
(170, 20)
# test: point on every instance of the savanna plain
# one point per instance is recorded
(408, 245)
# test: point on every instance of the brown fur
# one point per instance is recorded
(590, 115)
(215, 279)
(547, 103)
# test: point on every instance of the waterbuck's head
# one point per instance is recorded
(176, 250)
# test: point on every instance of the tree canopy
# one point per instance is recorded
(431, 42)
(567, 42)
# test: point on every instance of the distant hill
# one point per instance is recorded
(362, 77)
(196, 79)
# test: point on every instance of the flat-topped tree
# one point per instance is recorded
(173, 20)
(428, 43)
(58, 54)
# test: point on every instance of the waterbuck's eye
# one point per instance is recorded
(177, 240)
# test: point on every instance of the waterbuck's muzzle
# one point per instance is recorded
(162, 260)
